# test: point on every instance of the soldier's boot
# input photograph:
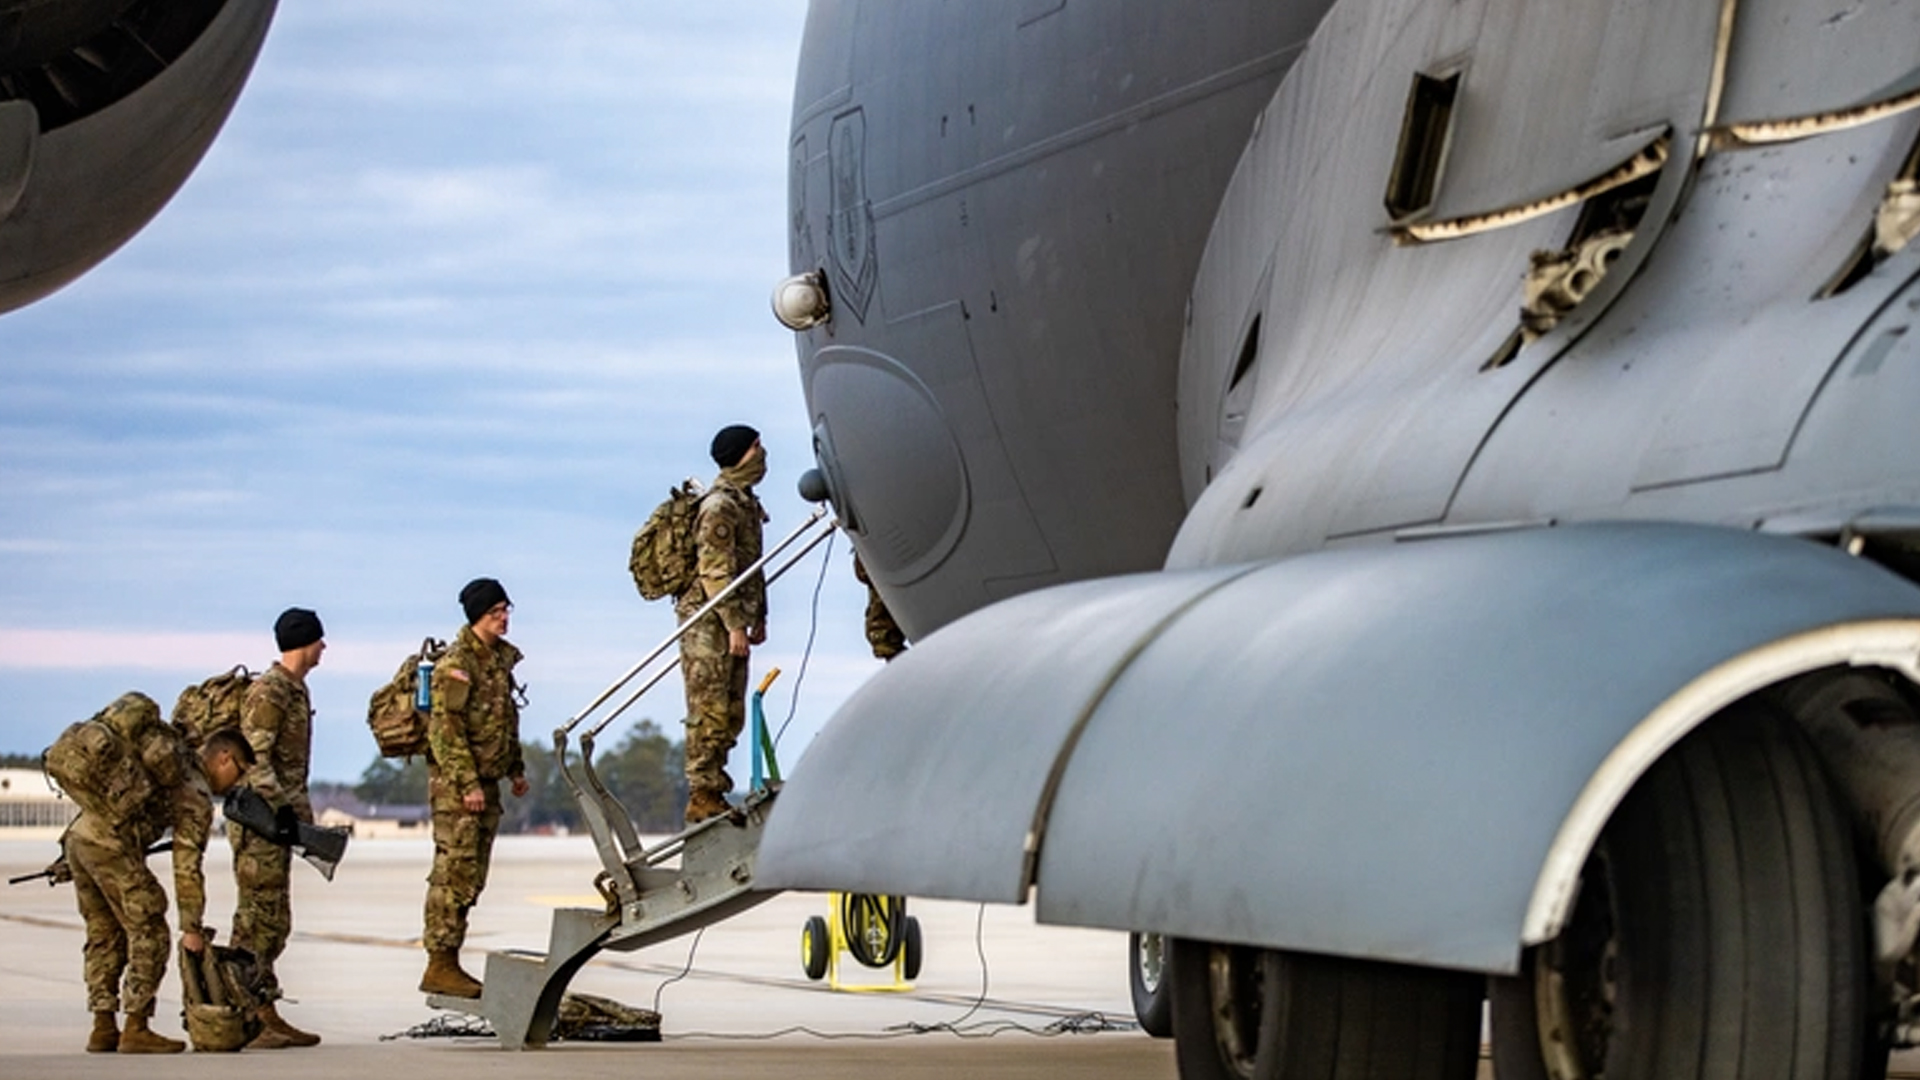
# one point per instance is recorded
(276, 1033)
(444, 976)
(705, 803)
(106, 1034)
(138, 1038)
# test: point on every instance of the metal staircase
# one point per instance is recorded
(695, 878)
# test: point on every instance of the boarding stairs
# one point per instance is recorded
(693, 879)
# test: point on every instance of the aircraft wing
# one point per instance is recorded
(1399, 752)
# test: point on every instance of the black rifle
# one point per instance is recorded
(59, 873)
(323, 847)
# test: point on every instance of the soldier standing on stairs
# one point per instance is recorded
(715, 648)
(474, 742)
(277, 721)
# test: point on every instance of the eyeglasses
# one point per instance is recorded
(499, 609)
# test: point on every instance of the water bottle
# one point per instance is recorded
(423, 684)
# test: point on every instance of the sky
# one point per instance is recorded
(460, 291)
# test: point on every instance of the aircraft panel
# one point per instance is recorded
(936, 771)
(1782, 61)
(1371, 752)
(1705, 366)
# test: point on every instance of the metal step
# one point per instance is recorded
(712, 881)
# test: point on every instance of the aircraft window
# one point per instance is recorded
(1238, 400)
(1426, 131)
(1895, 224)
(1249, 352)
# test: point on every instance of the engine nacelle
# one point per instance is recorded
(106, 106)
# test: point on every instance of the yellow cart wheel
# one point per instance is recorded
(815, 947)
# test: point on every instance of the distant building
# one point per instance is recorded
(367, 821)
(28, 801)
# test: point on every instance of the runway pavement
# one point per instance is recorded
(998, 996)
(744, 1007)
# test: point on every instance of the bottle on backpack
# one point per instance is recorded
(398, 712)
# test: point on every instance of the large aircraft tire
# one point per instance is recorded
(1256, 1014)
(1147, 977)
(1720, 919)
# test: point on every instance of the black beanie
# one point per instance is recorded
(732, 444)
(297, 628)
(479, 597)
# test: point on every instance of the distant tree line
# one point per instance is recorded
(19, 761)
(644, 770)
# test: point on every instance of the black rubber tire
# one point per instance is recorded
(1724, 901)
(1251, 1014)
(1147, 977)
(815, 944)
(910, 946)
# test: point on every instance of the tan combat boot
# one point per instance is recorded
(444, 976)
(704, 804)
(106, 1036)
(276, 1033)
(138, 1038)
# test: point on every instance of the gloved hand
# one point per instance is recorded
(286, 827)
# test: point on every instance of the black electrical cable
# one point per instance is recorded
(813, 629)
(1085, 1023)
(691, 949)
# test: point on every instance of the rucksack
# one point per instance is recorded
(213, 705)
(102, 762)
(222, 990)
(399, 725)
(663, 561)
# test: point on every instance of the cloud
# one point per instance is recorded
(461, 288)
(31, 649)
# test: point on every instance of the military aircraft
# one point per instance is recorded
(1415, 501)
(106, 106)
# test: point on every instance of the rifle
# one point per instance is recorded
(323, 847)
(59, 873)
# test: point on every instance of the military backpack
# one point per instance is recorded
(395, 713)
(213, 705)
(106, 763)
(223, 991)
(663, 561)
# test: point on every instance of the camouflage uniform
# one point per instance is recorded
(727, 540)
(474, 739)
(277, 720)
(121, 902)
(883, 634)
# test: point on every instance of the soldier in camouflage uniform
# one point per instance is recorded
(121, 902)
(474, 742)
(883, 634)
(277, 721)
(713, 651)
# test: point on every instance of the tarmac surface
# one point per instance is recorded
(998, 996)
(1026, 1001)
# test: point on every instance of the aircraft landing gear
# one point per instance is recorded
(1720, 919)
(1243, 1013)
(1147, 978)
